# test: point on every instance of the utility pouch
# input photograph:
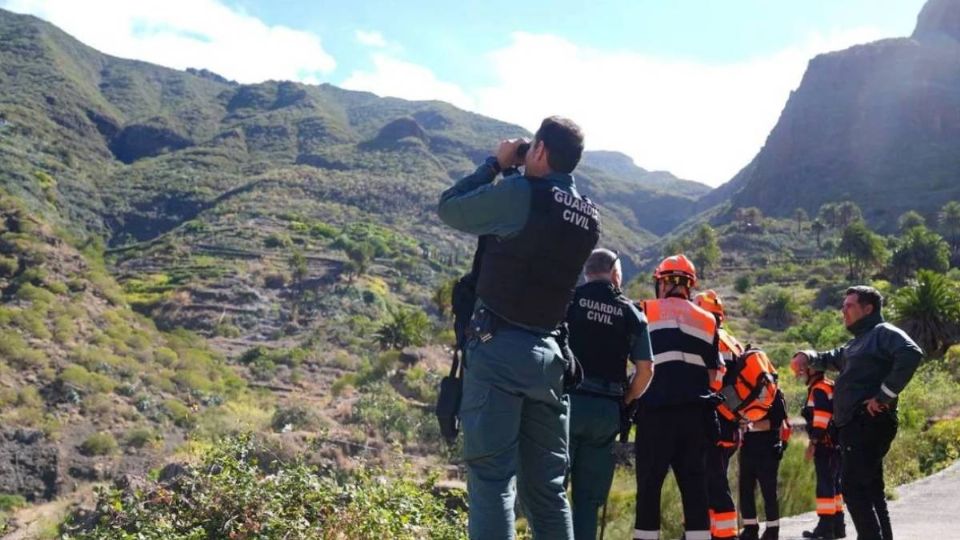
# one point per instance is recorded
(448, 400)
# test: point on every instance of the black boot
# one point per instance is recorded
(839, 527)
(825, 529)
(750, 532)
(771, 533)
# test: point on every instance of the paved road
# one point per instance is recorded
(926, 509)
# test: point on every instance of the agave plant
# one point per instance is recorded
(929, 311)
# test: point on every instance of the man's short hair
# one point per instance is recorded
(867, 296)
(600, 262)
(563, 138)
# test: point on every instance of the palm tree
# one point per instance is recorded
(817, 227)
(929, 312)
(847, 213)
(909, 220)
(800, 215)
(828, 214)
(950, 223)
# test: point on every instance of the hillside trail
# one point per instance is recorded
(40, 520)
(927, 508)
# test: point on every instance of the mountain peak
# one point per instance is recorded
(939, 18)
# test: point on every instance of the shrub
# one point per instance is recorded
(99, 444)
(294, 417)
(742, 283)
(292, 500)
(140, 438)
(10, 502)
(179, 413)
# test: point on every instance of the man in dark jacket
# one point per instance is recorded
(514, 412)
(875, 366)
(606, 332)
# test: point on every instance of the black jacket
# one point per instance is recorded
(877, 363)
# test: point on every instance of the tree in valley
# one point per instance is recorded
(950, 224)
(360, 254)
(861, 248)
(705, 250)
(909, 220)
(828, 215)
(817, 227)
(406, 327)
(753, 219)
(919, 249)
(800, 215)
(929, 311)
(848, 212)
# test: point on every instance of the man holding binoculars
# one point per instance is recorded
(514, 411)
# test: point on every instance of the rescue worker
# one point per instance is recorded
(514, 410)
(723, 512)
(875, 366)
(606, 331)
(824, 450)
(676, 422)
(763, 446)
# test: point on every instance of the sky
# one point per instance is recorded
(688, 86)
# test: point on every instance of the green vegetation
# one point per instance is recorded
(99, 444)
(236, 493)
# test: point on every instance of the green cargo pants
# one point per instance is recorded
(515, 431)
(594, 426)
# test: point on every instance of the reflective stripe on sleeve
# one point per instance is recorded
(639, 534)
(888, 391)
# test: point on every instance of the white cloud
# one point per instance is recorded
(188, 33)
(371, 38)
(397, 78)
(697, 120)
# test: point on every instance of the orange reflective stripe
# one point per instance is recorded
(723, 524)
(826, 506)
(825, 385)
(821, 419)
(725, 412)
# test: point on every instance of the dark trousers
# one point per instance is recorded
(672, 438)
(760, 464)
(865, 440)
(723, 512)
(826, 462)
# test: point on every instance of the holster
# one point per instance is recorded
(573, 371)
(448, 400)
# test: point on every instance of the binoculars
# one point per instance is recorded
(522, 150)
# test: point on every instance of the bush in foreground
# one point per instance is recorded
(230, 495)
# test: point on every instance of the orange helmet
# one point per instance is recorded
(677, 268)
(709, 301)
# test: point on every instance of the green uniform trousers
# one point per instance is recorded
(594, 426)
(514, 418)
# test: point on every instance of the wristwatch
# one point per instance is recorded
(493, 164)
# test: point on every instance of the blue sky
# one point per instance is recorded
(690, 86)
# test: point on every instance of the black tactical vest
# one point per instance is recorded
(529, 278)
(602, 326)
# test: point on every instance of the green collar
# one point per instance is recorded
(865, 324)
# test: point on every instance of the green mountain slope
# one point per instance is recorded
(174, 167)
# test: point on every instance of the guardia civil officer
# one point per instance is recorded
(875, 366)
(677, 422)
(514, 413)
(606, 331)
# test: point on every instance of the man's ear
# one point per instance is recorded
(868, 309)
